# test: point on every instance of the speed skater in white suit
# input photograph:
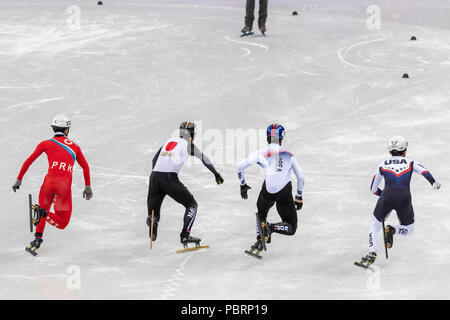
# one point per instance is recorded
(277, 163)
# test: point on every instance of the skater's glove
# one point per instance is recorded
(244, 189)
(219, 178)
(87, 193)
(16, 185)
(436, 186)
(298, 202)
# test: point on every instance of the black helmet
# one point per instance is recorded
(187, 128)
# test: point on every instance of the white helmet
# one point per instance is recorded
(61, 121)
(398, 143)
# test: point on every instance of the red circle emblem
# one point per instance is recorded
(171, 145)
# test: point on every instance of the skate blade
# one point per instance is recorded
(364, 266)
(31, 250)
(191, 249)
(255, 255)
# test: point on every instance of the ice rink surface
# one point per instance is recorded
(130, 72)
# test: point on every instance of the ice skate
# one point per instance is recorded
(257, 246)
(256, 249)
(38, 213)
(367, 260)
(186, 238)
(389, 236)
(34, 245)
(263, 29)
(152, 232)
(246, 31)
(267, 231)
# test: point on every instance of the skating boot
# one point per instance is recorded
(262, 28)
(367, 260)
(186, 238)
(155, 228)
(267, 229)
(389, 235)
(256, 249)
(34, 245)
(38, 213)
(258, 246)
(246, 31)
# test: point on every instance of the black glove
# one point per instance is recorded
(244, 189)
(219, 178)
(16, 185)
(87, 193)
(298, 202)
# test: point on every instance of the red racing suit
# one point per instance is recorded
(57, 186)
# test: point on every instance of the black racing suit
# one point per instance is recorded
(285, 207)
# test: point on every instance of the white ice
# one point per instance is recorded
(133, 71)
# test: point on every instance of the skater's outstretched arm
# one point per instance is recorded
(300, 177)
(87, 193)
(84, 165)
(194, 151)
(374, 187)
(418, 168)
(37, 152)
(253, 158)
(298, 200)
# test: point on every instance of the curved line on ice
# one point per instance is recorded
(368, 60)
(248, 43)
(246, 54)
(174, 282)
(261, 76)
(341, 56)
